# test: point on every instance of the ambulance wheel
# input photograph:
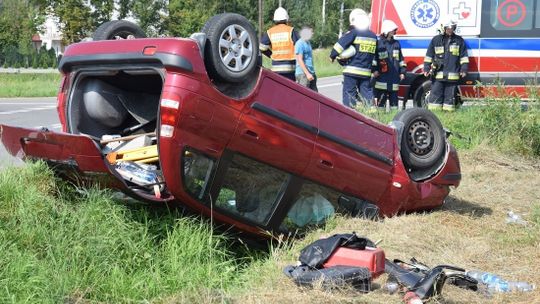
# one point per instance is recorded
(118, 29)
(423, 142)
(231, 50)
(421, 95)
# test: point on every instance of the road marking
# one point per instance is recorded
(27, 103)
(27, 110)
(329, 85)
(55, 126)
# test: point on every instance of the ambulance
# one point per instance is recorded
(502, 38)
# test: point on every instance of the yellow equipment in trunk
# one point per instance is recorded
(144, 155)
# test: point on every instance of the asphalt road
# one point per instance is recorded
(41, 112)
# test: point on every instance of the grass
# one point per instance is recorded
(468, 231)
(29, 85)
(321, 61)
(62, 244)
(503, 124)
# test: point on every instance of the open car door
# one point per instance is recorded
(75, 157)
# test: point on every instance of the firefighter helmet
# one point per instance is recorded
(388, 26)
(280, 14)
(359, 19)
(448, 22)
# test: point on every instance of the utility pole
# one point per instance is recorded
(261, 31)
(341, 19)
(323, 13)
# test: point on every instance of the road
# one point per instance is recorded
(41, 112)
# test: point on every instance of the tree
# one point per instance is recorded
(150, 15)
(188, 16)
(102, 11)
(75, 19)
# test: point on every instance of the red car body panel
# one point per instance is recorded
(280, 123)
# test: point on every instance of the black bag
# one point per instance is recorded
(318, 252)
(330, 278)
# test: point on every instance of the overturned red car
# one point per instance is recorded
(198, 122)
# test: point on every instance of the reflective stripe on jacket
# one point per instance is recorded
(451, 53)
(279, 40)
(364, 62)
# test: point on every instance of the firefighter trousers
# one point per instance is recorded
(351, 87)
(442, 95)
(382, 95)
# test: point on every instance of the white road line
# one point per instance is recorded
(329, 85)
(55, 126)
(27, 110)
(26, 103)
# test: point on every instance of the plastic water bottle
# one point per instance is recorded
(513, 218)
(520, 286)
(497, 284)
(140, 174)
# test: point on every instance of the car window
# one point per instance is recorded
(315, 204)
(198, 169)
(251, 189)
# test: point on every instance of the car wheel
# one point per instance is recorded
(231, 50)
(118, 29)
(421, 95)
(423, 142)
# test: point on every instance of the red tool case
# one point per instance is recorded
(371, 258)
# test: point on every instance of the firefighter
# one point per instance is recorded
(446, 62)
(392, 67)
(359, 68)
(278, 44)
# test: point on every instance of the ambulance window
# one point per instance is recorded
(251, 189)
(513, 15)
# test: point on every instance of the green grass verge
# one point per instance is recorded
(59, 244)
(323, 66)
(29, 85)
(501, 124)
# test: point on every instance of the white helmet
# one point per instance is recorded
(280, 14)
(448, 22)
(388, 26)
(359, 19)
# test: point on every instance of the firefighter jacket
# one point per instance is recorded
(364, 62)
(278, 44)
(446, 57)
(391, 64)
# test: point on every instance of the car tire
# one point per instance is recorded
(231, 49)
(423, 142)
(421, 95)
(118, 28)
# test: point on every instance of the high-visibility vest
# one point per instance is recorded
(282, 43)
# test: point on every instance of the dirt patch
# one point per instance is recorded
(468, 231)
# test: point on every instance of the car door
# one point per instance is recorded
(351, 155)
(279, 125)
(75, 157)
